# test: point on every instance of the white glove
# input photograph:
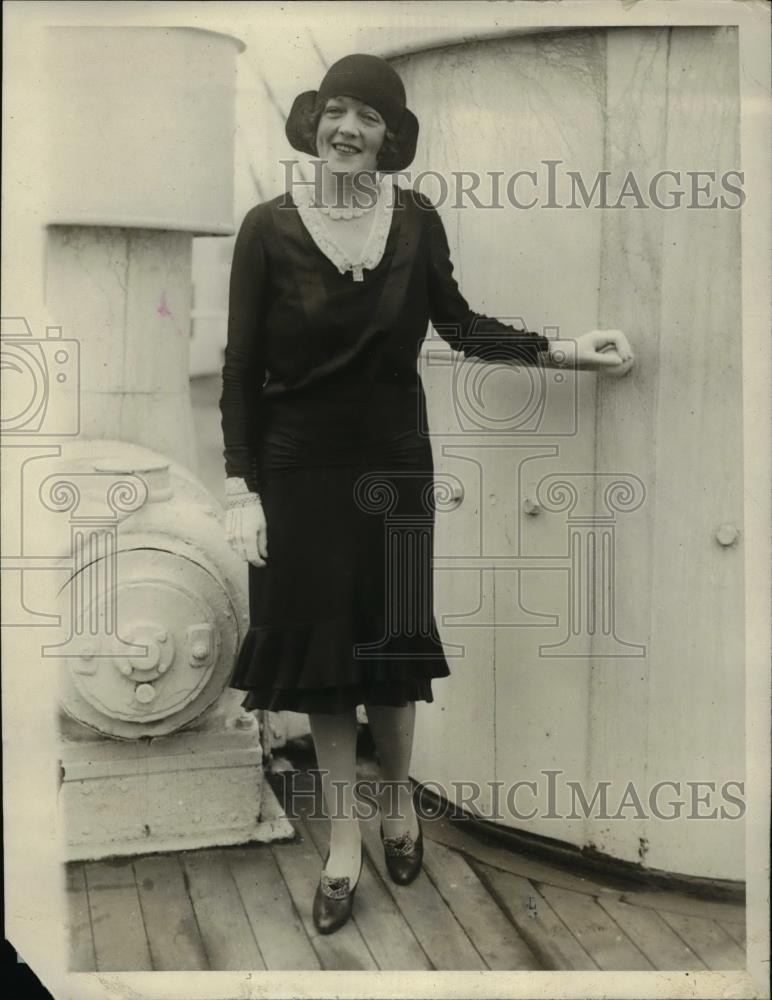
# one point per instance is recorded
(245, 526)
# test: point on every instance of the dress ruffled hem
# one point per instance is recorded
(331, 665)
(335, 700)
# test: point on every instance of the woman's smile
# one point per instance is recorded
(345, 149)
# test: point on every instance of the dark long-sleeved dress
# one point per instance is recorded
(323, 413)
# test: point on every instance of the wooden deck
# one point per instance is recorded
(474, 906)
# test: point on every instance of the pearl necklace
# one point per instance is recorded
(349, 212)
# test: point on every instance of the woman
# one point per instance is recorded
(331, 293)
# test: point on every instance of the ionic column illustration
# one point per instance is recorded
(96, 503)
(408, 591)
(591, 525)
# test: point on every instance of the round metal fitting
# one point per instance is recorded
(145, 693)
(187, 605)
(727, 534)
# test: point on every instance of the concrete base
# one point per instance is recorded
(203, 788)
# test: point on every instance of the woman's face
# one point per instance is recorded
(350, 135)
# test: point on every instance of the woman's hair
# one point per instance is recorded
(309, 125)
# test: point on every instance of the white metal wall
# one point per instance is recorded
(670, 433)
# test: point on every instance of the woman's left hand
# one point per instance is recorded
(608, 351)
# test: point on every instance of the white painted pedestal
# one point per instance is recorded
(201, 787)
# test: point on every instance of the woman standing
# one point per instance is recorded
(331, 293)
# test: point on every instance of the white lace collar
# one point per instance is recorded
(376, 241)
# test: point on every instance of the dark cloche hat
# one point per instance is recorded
(369, 79)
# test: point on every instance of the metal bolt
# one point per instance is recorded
(145, 693)
(162, 636)
(531, 507)
(125, 669)
(200, 650)
(727, 534)
(162, 668)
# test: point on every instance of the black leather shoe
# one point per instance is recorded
(334, 899)
(403, 855)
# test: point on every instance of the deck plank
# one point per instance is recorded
(222, 920)
(251, 909)
(120, 940)
(495, 937)
(170, 922)
(735, 931)
(385, 929)
(301, 866)
(453, 835)
(276, 924)
(388, 935)
(656, 939)
(600, 935)
(708, 940)
(441, 935)
(665, 901)
(82, 954)
(538, 924)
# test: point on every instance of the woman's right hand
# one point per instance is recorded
(245, 525)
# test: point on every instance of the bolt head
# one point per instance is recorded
(727, 534)
(145, 693)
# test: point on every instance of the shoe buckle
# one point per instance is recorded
(398, 847)
(335, 888)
